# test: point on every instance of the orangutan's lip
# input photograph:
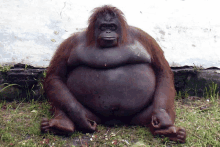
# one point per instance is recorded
(109, 38)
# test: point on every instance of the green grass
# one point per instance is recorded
(20, 126)
(5, 68)
(20, 123)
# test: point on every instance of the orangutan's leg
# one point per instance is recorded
(61, 124)
(167, 129)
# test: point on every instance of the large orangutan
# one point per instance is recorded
(112, 73)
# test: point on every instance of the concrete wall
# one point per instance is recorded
(187, 30)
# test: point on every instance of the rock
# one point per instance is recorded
(21, 81)
(195, 81)
(25, 81)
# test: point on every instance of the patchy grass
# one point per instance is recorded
(5, 68)
(20, 123)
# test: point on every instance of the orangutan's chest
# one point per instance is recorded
(127, 88)
(109, 57)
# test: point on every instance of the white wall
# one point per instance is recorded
(187, 30)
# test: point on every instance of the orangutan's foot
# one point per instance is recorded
(57, 126)
(177, 134)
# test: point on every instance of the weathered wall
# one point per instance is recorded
(23, 81)
(187, 30)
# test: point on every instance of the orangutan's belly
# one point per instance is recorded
(120, 91)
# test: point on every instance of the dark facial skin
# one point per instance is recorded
(108, 32)
(115, 75)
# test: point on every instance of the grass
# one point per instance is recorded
(20, 126)
(20, 123)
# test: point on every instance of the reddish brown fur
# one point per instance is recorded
(62, 53)
(160, 64)
(164, 93)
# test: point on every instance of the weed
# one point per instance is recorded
(197, 68)
(4, 68)
(8, 85)
(212, 93)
